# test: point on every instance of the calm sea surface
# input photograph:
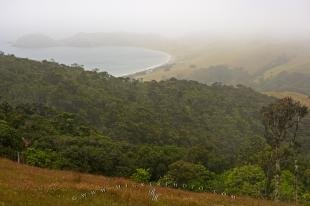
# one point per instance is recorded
(117, 61)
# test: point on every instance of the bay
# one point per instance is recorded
(115, 60)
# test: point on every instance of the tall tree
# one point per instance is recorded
(281, 121)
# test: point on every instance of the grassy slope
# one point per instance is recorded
(26, 185)
(250, 55)
(298, 96)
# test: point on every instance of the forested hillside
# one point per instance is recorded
(68, 118)
(168, 112)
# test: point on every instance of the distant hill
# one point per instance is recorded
(92, 40)
(35, 41)
(262, 64)
(286, 81)
(113, 39)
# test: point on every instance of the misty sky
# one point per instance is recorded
(60, 18)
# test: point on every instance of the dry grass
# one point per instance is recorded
(304, 99)
(248, 54)
(26, 185)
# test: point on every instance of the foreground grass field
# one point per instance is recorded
(26, 185)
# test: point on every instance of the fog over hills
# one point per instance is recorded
(241, 18)
(35, 41)
(91, 40)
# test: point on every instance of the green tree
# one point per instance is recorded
(286, 186)
(141, 175)
(188, 176)
(42, 158)
(306, 179)
(208, 157)
(246, 180)
(281, 120)
(10, 142)
(306, 186)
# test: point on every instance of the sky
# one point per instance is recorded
(61, 18)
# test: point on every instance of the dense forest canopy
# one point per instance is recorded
(167, 112)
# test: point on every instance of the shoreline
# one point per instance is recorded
(170, 60)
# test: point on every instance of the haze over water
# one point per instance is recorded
(117, 61)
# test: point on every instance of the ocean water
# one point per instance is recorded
(117, 61)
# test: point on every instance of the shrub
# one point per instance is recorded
(42, 158)
(10, 142)
(141, 175)
(188, 176)
(246, 180)
(306, 179)
(305, 198)
(286, 187)
(166, 180)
